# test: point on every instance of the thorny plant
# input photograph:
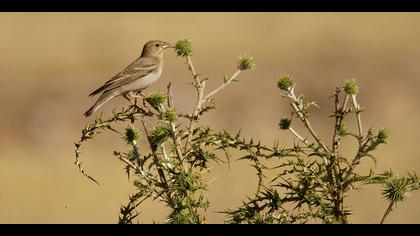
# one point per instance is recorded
(171, 168)
(311, 179)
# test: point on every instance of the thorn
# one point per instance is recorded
(212, 180)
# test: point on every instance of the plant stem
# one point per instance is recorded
(176, 140)
(297, 107)
(167, 159)
(308, 126)
(388, 210)
(344, 105)
(129, 163)
(190, 64)
(174, 135)
(339, 112)
(331, 166)
(355, 161)
(136, 154)
(222, 86)
(359, 119)
(199, 85)
(306, 123)
(299, 137)
(155, 156)
(339, 115)
(147, 176)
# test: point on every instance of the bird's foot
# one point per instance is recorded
(126, 96)
(140, 95)
(136, 95)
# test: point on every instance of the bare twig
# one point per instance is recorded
(357, 110)
(344, 105)
(191, 66)
(199, 85)
(299, 137)
(308, 126)
(129, 163)
(297, 106)
(170, 96)
(138, 170)
(222, 86)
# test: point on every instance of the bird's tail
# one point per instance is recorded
(90, 111)
(105, 97)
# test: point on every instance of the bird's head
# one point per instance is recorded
(155, 48)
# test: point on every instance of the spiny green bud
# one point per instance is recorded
(131, 134)
(156, 99)
(343, 130)
(183, 48)
(170, 115)
(246, 63)
(285, 123)
(396, 189)
(383, 135)
(285, 83)
(159, 135)
(351, 87)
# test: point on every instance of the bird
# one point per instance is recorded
(137, 76)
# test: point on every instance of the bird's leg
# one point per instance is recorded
(142, 96)
(135, 99)
(126, 96)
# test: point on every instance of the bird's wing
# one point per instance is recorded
(140, 67)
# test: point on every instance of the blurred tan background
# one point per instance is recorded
(50, 62)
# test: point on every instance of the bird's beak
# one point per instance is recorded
(167, 45)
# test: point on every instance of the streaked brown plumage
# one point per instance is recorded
(137, 76)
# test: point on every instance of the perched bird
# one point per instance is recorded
(136, 77)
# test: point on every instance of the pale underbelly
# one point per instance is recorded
(141, 83)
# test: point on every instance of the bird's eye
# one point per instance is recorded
(157, 45)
